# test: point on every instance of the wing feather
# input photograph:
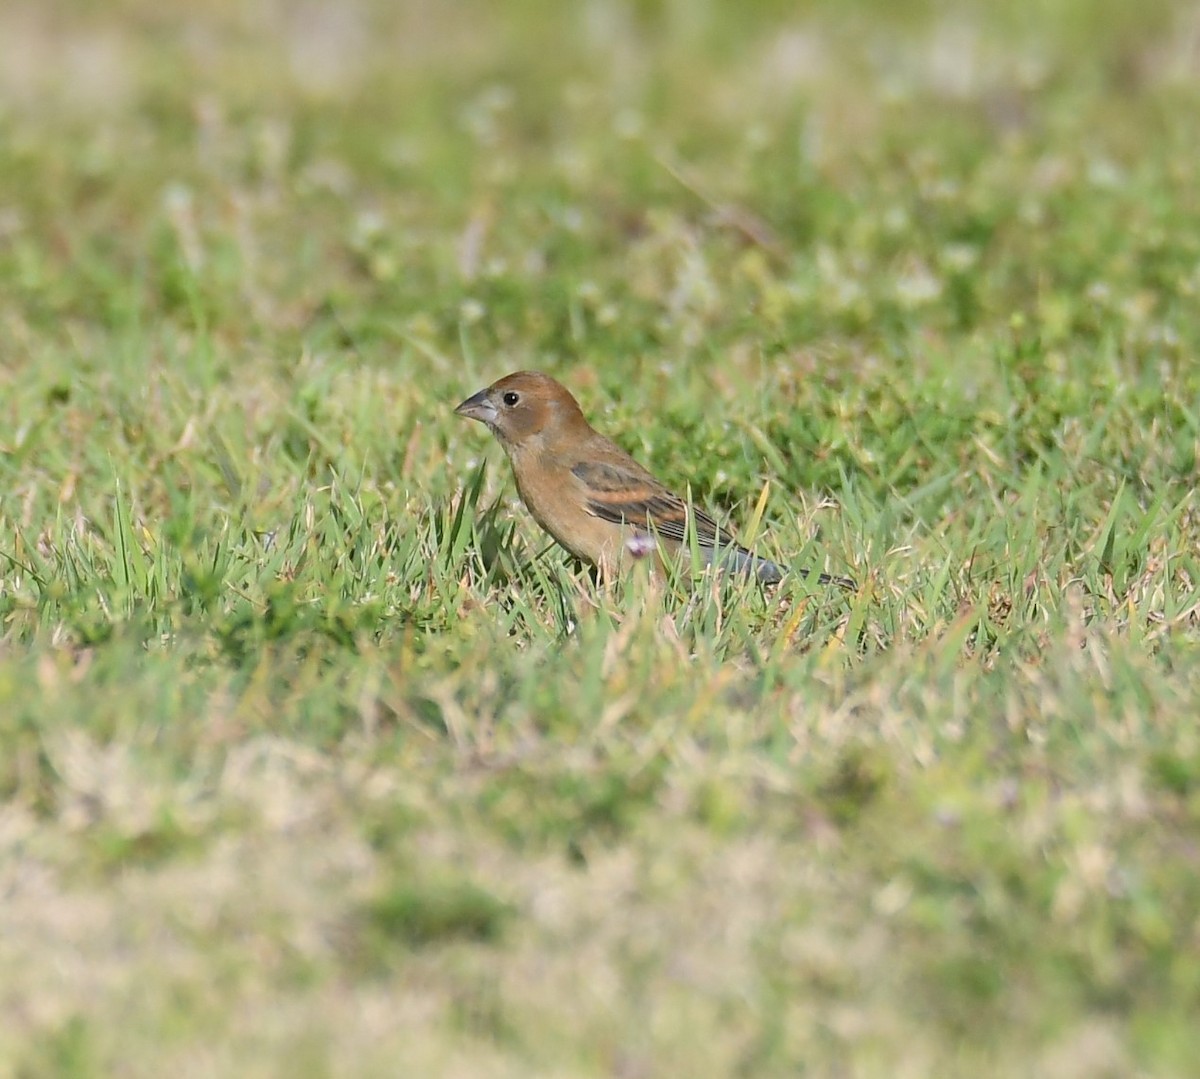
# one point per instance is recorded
(630, 495)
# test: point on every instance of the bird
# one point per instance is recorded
(590, 495)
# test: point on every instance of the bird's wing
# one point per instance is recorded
(625, 493)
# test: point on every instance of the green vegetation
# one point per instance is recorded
(315, 761)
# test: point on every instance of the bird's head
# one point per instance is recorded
(523, 406)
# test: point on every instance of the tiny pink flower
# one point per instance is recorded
(639, 545)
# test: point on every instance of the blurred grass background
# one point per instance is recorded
(312, 761)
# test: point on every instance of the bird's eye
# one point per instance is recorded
(511, 398)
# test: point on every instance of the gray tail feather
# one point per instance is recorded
(768, 572)
(848, 583)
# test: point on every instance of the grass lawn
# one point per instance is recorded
(315, 761)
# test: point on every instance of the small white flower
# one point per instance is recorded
(471, 311)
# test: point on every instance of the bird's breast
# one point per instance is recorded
(556, 500)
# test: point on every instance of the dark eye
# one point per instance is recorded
(511, 398)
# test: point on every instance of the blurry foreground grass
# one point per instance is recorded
(313, 762)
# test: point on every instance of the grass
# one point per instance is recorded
(314, 760)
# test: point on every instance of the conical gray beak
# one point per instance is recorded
(478, 407)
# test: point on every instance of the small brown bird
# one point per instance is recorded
(587, 492)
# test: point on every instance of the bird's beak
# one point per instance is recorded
(478, 408)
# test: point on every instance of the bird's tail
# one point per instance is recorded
(740, 560)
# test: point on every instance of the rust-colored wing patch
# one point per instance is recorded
(629, 496)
